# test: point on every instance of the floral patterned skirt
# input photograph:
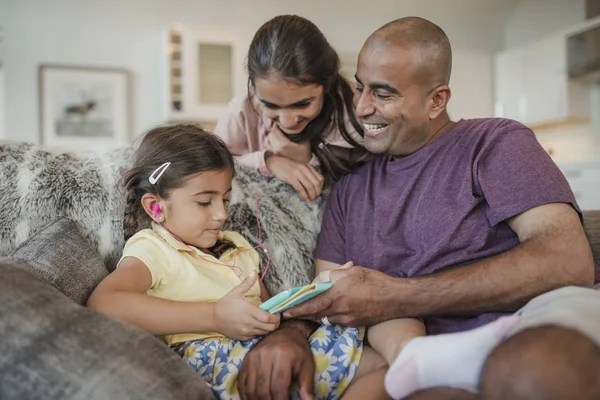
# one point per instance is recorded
(337, 351)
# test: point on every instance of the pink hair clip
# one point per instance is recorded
(155, 176)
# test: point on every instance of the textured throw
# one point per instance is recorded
(38, 186)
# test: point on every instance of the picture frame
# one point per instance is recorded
(84, 107)
(204, 69)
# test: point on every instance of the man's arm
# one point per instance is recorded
(554, 252)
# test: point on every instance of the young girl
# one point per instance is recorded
(186, 279)
(298, 112)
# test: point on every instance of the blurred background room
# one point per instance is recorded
(98, 73)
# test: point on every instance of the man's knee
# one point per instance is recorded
(441, 393)
(543, 363)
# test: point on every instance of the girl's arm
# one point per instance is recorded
(122, 295)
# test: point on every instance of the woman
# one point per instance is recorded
(297, 115)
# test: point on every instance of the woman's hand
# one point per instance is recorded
(307, 181)
(279, 144)
(236, 318)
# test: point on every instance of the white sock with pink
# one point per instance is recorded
(451, 360)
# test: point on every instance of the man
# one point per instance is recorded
(458, 223)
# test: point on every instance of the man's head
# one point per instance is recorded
(402, 86)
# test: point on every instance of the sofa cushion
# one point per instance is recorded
(42, 185)
(591, 223)
(53, 349)
(62, 257)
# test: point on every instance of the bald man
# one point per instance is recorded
(458, 223)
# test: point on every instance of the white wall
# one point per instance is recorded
(533, 19)
(2, 88)
(2, 106)
(126, 34)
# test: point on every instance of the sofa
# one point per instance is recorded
(61, 233)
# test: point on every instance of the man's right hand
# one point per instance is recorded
(307, 181)
(278, 360)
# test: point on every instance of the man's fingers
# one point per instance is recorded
(306, 380)
(263, 383)
(244, 379)
(313, 308)
(282, 381)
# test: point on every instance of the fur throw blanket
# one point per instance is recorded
(38, 186)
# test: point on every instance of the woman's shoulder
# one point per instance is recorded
(243, 111)
(244, 103)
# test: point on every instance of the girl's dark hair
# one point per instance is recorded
(188, 148)
(293, 48)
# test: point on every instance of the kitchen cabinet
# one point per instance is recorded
(533, 87)
(584, 179)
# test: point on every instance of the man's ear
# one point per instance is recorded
(439, 101)
(149, 202)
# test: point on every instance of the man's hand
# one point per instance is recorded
(359, 297)
(281, 358)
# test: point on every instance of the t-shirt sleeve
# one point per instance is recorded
(151, 254)
(331, 242)
(514, 174)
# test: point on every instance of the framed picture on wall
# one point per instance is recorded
(84, 107)
(204, 70)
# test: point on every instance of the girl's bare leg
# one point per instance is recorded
(389, 338)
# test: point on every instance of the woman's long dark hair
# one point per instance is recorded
(293, 48)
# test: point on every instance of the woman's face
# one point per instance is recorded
(289, 105)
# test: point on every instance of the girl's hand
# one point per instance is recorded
(307, 181)
(279, 144)
(236, 318)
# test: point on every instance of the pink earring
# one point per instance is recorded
(155, 210)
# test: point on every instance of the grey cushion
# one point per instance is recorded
(591, 223)
(52, 348)
(62, 257)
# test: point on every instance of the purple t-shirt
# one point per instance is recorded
(443, 206)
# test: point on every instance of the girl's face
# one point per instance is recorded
(196, 212)
(289, 105)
